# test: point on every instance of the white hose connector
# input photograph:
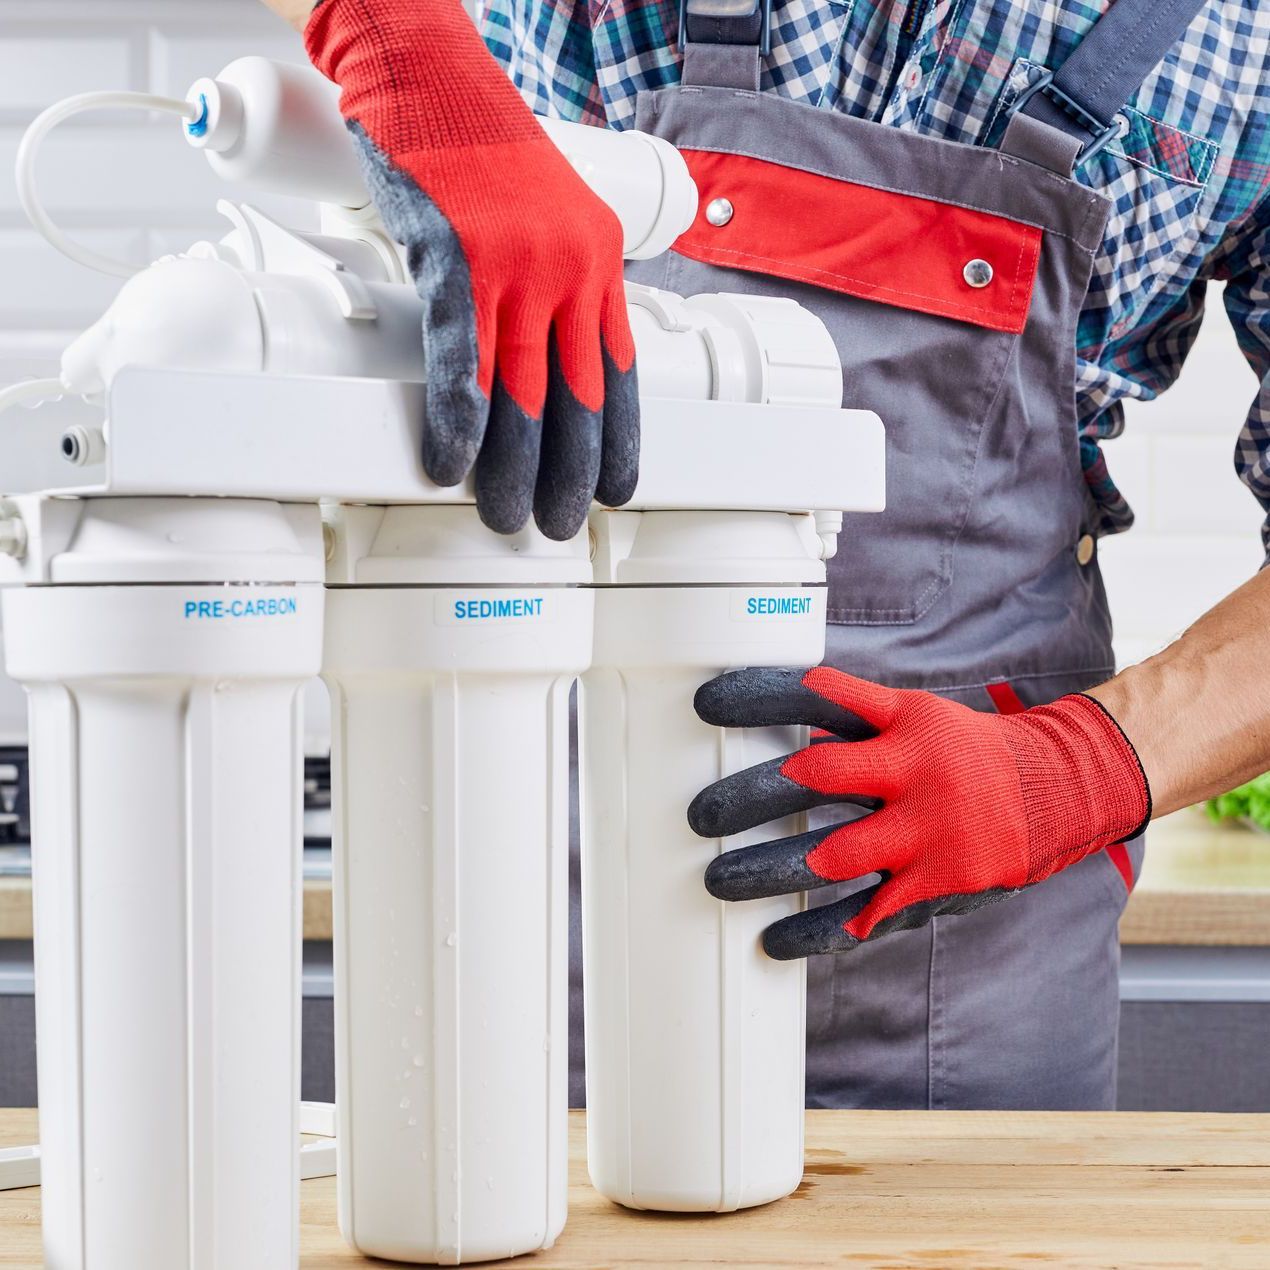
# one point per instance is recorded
(13, 543)
(81, 446)
(828, 527)
(32, 139)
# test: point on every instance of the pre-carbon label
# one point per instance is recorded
(232, 610)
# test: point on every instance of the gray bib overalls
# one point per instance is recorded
(979, 581)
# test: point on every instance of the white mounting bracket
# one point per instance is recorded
(298, 438)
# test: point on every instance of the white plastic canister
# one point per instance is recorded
(450, 653)
(277, 127)
(163, 648)
(694, 1037)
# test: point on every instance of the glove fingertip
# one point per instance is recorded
(708, 698)
(570, 460)
(560, 520)
(722, 882)
(780, 944)
(818, 930)
(705, 813)
(743, 698)
(506, 464)
(455, 421)
(619, 463)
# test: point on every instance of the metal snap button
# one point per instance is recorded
(718, 211)
(977, 273)
(1085, 549)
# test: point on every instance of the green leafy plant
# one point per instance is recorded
(1247, 802)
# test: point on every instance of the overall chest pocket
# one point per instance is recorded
(925, 301)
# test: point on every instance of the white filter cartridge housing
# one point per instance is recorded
(278, 127)
(694, 1037)
(450, 652)
(163, 646)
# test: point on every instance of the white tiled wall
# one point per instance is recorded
(123, 182)
(127, 184)
(1197, 535)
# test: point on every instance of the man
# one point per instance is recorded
(1006, 212)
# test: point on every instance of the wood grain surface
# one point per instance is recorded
(902, 1189)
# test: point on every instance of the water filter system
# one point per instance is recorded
(252, 507)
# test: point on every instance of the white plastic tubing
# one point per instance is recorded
(29, 148)
(277, 127)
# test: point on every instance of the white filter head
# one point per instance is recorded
(180, 312)
(277, 127)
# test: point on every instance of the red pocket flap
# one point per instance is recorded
(874, 244)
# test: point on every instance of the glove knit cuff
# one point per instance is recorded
(1083, 784)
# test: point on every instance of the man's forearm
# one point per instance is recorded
(1198, 713)
(294, 11)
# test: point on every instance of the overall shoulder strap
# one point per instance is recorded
(723, 41)
(1069, 114)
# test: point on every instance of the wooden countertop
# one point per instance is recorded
(15, 911)
(890, 1189)
(1202, 884)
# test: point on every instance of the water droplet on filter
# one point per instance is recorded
(451, 939)
(546, 1044)
(404, 1103)
(410, 1124)
(489, 1183)
(405, 1042)
(417, 1060)
(423, 1155)
(418, 1012)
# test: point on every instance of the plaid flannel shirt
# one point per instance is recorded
(1188, 181)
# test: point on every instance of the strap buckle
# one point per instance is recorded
(736, 10)
(1104, 133)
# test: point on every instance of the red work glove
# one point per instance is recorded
(969, 807)
(530, 361)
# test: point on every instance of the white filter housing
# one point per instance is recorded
(694, 1036)
(450, 652)
(278, 127)
(165, 734)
